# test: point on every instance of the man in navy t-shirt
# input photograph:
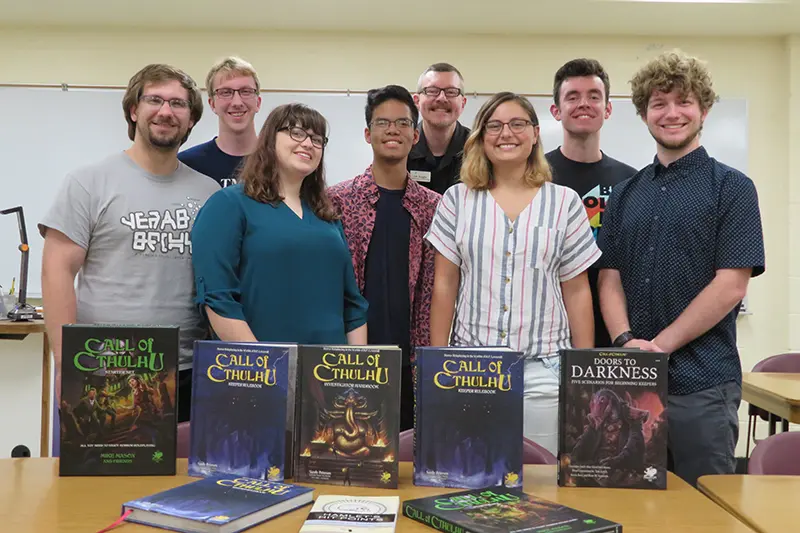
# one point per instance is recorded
(233, 94)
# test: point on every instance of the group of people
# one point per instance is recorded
(452, 235)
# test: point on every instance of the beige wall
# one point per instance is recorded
(763, 70)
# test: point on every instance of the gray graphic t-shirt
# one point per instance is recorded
(135, 228)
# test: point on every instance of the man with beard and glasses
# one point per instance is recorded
(122, 225)
(680, 241)
(385, 216)
(435, 161)
(233, 94)
(581, 103)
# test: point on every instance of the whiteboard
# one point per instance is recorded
(45, 133)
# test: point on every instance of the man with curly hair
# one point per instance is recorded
(680, 241)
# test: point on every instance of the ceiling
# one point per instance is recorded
(436, 17)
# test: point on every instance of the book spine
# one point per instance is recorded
(562, 416)
(433, 520)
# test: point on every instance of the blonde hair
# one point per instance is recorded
(476, 169)
(670, 71)
(229, 67)
(160, 73)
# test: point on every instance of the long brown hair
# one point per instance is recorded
(476, 170)
(260, 172)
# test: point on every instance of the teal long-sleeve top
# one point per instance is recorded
(290, 278)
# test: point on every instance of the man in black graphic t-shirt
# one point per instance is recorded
(580, 92)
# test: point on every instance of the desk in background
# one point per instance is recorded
(765, 503)
(776, 393)
(18, 331)
(33, 498)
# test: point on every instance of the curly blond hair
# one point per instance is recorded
(670, 71)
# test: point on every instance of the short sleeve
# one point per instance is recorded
(217, 236)
(442, 232)
(740, 237)
(579, 251)
(71, 213)
(607, 234)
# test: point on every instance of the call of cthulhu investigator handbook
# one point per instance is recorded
(118, 397)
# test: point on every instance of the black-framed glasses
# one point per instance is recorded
(300, 135)
(245, 93)
(516, 125)
(176, 104)
(400, 123)
(449, 92)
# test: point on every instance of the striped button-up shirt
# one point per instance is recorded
(511, 271)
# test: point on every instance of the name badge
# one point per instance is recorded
(421, 175)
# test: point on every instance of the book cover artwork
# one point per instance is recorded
(502, 510)
(239, 396)
(613, 420)
(118, 393)
(468, 417)
(348, 404)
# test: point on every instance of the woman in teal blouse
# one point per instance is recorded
(270, 258)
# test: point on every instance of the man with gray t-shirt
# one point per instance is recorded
(122, 226)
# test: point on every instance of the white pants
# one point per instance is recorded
(540, 400)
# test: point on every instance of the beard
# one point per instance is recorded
(164, 142)
(436, 120)
(678, 144)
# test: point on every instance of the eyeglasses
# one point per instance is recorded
(244, 93)
(516, 125)
(176, 104)
(300, 135)
(400, 123)
(449, 92)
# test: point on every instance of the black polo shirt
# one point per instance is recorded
(667, 230)
(437, 173)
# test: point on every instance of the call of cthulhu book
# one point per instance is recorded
(468, 417)
(502, 510)
(613, 419)
(118, 397)
(239, 397)
(348, 415)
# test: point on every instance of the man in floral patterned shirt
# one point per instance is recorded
(385, 216)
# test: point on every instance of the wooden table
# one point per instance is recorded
(18, 331)
(776, 393)
(765, 503)
(33, 498)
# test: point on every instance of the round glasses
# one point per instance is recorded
(517, 125)
(300, 135)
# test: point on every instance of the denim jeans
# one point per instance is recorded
(540, 419)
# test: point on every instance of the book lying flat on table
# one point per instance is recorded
(352, 514)
(217, 504)
(502, 510)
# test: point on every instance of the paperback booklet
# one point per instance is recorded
(468, 417)
(613, 419)
(352, 514)
(348, 415)
(239, 396)
(219, 503)
(118, 396)
(502, 510)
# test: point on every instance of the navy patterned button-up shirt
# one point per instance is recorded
(667, 230)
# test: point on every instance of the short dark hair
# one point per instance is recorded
(439, 67)
(578, 68)
(376, 97)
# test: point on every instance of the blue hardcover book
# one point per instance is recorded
(239, 409)
(468, 410)
(218, 504)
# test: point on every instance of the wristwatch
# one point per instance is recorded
(623, 338)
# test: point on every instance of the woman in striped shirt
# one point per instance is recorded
(513, 249)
